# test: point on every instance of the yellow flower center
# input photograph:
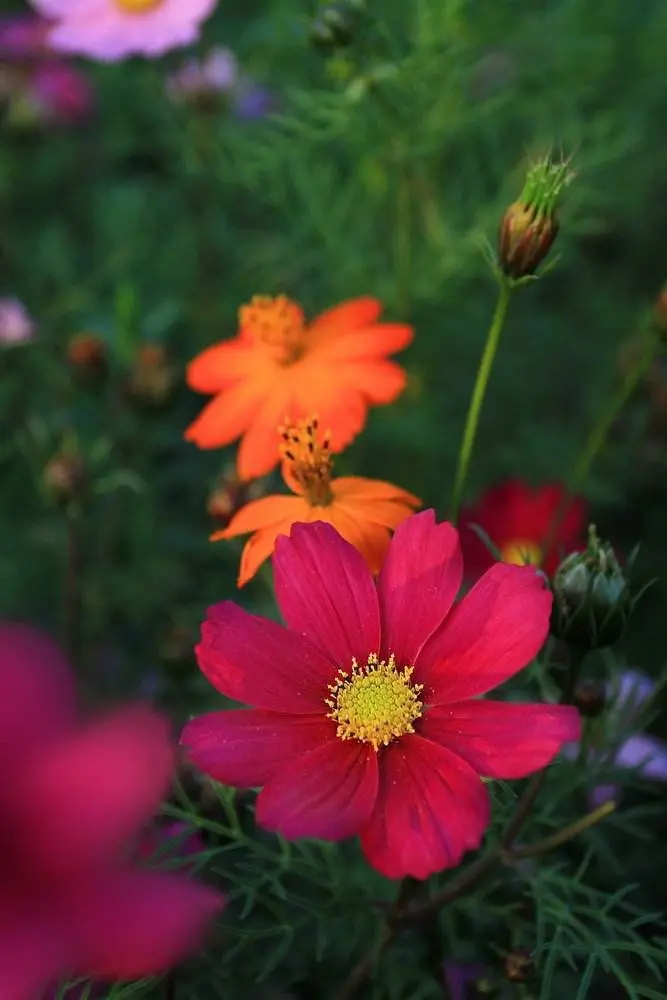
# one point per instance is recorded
(375, 703)
(278, 324)
(308, 460)
(137, 6)
(522, 553)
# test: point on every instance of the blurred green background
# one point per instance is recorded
(385, 168)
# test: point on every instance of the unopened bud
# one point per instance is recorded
(230, 494)
(335, 25)
(519, 966)
(660, 312)
(592, 599)
(529, 227)
(64, 476)
(590, 698)
(152, 377)
(87, 355)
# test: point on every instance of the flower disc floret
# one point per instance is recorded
(521, 553)
(137, 6)
(375, 703)
(278, 324)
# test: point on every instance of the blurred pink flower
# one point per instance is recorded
(460, 978)
(59, 94)
(72, 798)
(113, 29)
(23, 36)
(16, 325)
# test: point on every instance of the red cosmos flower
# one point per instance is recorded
(366, 714)
(518, 519)
(72, 799)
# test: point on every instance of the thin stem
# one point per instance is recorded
(72, 588)
(403, 240)
(598, 436)
(561, 836)
(477, 398)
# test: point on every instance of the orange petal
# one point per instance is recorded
(258, 549)
(222, 364)
(344, 318)
(381, 382)
(371, 539)
(353, 489)
(259, 450)
(227, 416)
(387, 513)
(340, 408)
(263, 513)
(375, 341)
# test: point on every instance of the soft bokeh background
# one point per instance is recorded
(383, 171)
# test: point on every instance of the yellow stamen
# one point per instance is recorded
(276, 323)
(375, 703)
(522, 553)
(138, 6)
(309, 460)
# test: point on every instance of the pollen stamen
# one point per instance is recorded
(309, 459)
(278, 324)
(375, 703)
(522, 553)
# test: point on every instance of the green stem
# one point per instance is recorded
(403, 241)
(477, 398)
(562, 836)
(598, 436)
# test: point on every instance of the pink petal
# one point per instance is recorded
(325, 591)
(245, 748)
(31, 953)
(495, 631)
(431, 808)
(37, 701)
(418, 583)
(502, 739)
(329, 793)
(257, 661)
(136, 923)
(97, 789)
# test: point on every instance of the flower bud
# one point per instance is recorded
(152, 377)
(87, 355)
(589, 698)
(592, 600)
(529, 227)
(230, 494)
(64, 476)
(660, 313)
(335, 25)
(519, 966)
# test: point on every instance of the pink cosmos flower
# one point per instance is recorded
(72, 798)
(16, 325)
(57, 93)
(113, 29)
(366, 713)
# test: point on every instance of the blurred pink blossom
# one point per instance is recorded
(16, 325)
(57, 93)
(72, 799)
(23, 36)
(109, 30)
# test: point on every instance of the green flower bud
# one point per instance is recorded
(530, 227)
(592, 599)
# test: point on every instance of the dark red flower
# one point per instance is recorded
(519, 520)
(72, 800)
(366, 714)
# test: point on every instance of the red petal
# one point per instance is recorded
(228, 415)
(258, 662)
(343, 319)
(418, 584)
(495, 631)
(32, 954)
(329, 793)
(259, 450)
(140, 924)
(502, 739)
(367, 344)
(37, 701)
(380, 382)
(222, 364)
(326, 592)
(97, 789)
(246, 748)
(431, 808)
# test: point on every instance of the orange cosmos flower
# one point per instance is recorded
(363, 511)
(336, 366)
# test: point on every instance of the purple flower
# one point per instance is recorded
(23, 36)
(460, 976)
(216, 79)
(16, 325)
(638, 751)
